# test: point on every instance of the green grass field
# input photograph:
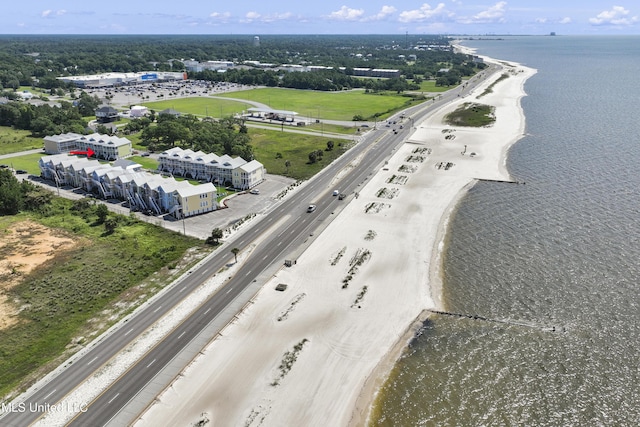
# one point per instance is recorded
(327, 105)
(430, 87)
(295, 148)
(199, 106)
(28, 162)
(13, 141)
(146, 162)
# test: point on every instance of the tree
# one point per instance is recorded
(110, 225)
(216, 235)
(102, 211)
(313, 157)
(235, 252)
(329, 145)
(10, 194)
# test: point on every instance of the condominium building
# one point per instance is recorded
(107, 147)
(221, 170)
(124, 180)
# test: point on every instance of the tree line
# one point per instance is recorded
(39, 60)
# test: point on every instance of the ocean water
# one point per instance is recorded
(557, 259)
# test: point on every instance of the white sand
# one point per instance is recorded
(351, 342)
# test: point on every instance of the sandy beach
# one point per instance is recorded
(316, 354)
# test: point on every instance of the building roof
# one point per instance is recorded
(63, 137)
(251, 166)
(105, 140)
(195, 190)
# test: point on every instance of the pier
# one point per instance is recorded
(501, 180)
(487, 319)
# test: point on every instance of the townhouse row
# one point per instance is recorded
(221, 170)
(125, 180)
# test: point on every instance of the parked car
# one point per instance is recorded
(255, 191)
(311, 208)
(21, 171)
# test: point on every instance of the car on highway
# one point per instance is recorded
(311, 208)
(336, 192)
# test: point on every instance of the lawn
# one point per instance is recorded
(430, 86)
(28, 162)
(65, 298)
(273, 148)
(13, 141)
(200, 106)
(146, 162)
(327, 105)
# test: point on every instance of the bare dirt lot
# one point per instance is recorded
(23, 247)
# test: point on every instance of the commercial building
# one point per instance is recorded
(107, 147)
(222, 170)
(121, 79)
(125, 180)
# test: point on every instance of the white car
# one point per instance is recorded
(255, 191)
(311, 208)
(336, 192)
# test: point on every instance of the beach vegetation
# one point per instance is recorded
(471, 114)
(288, 359)
(82, 289)
(489, 89)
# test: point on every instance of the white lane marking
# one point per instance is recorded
(45, 398)
(157, 309)
(180, 336)
(151, 363)
(92, 360)
(128, 332)
(114, 398)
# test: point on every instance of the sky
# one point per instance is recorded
(475, 17)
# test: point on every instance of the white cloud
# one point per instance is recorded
(425, 13)
(50, 13)
(276, 17)
(251, 16)
(494, 14)
(257, 17)
(220, 16)
(565, 20)
(616, 16)
(541, 20)
(347, 14)
(384, 12)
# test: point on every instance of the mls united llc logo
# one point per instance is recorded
(44, 407)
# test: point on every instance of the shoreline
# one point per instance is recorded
(341, 342)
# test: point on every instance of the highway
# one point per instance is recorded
(295, 226)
